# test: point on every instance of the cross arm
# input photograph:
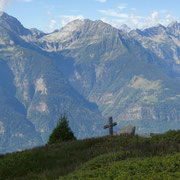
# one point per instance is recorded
(107, 126)
(114, 124)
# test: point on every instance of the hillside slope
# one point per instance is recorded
(97, 158)
(117, 166)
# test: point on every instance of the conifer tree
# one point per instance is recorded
(62, 132)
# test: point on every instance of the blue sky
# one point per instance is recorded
(48, 15)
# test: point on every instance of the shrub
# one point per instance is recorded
(62, 132)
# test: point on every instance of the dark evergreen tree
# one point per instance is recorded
(62, 132)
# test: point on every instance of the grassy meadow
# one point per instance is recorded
(108, 157)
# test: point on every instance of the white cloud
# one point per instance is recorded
(114, 13)
(114, 22)
(169, 18)
(155, 16)
(122, 6)
(134, 20)
(4, 4)
(152, 20)
(66, 19)
(105, 20)
(52, 24)
(101, 1)
(131, 19)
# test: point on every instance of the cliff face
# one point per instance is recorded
(89, 70)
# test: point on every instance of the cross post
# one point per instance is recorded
(110, 125)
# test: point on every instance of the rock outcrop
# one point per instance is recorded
(128, 130)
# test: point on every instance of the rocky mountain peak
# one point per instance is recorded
(65, 32)
(3, 15)
(12, 24)
(125, 28)
(159, 29)
(174, 28)
(173, 24)
(73, 25)
(37, 33)
(86, 30)
(84, 26)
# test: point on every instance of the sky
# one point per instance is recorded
(49, 15)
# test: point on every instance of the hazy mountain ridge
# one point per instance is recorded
(133, 92)
(43, 93)
(165, 43)
(89, 70)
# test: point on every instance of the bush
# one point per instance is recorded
(171, 136)
(62, 132)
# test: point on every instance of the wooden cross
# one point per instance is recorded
(110, 126)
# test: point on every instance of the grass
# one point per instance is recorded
(61, 160)
(118, 166)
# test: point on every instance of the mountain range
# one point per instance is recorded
(90, 71)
